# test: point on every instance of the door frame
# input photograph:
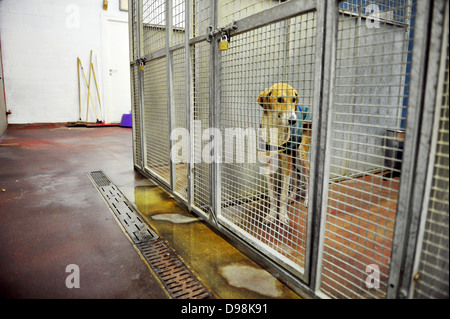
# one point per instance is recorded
(102, 65)
(3, 116)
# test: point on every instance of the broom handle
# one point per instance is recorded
(79, 90)
(96, 86)
(89, 92)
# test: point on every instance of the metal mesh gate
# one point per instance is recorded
(279, 52)
(305, 138)
(367, 135)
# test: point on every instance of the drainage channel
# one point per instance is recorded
(175, 276)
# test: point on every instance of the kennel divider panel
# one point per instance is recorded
(370, 95)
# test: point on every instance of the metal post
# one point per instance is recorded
(132, 77)
(214, 119)
(139, 49)
(170, 96)
(189, 104)
(326, 39)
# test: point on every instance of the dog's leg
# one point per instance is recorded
(270, 173)
(286, 171)
(305, 173)
(271, 185)
(295, 179)
(307, 189)
(304, 149)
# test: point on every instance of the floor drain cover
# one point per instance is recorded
(122, 208)
(176, 277)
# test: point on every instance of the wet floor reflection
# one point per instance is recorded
(222, 268)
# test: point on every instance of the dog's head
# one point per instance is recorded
(280, 104)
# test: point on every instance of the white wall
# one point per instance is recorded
(41, 40)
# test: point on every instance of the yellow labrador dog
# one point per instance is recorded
(285, 131)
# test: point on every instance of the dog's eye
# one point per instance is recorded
(280, 100)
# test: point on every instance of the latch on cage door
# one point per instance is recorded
(225, 34)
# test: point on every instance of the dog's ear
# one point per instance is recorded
(263, 99)
(295, 99)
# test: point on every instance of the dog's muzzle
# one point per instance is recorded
(292, 120)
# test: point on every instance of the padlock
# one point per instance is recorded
(223, 44)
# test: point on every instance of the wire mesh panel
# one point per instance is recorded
(201, 115)
(277, 59)
(432, 281)
(366, 146)
(156, 123)
(201, 17)
(154, 25)
(180, 105)
(232, 10)
(178, 21)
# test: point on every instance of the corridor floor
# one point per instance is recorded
(51, 217)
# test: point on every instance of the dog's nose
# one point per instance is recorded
(292, 119)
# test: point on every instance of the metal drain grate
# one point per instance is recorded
(123, 209)
(176, 277)
(100, 179)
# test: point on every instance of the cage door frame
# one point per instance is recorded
(324, 41)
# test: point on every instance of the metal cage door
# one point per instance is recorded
(277, 43)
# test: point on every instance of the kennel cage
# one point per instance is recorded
(373, 78)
